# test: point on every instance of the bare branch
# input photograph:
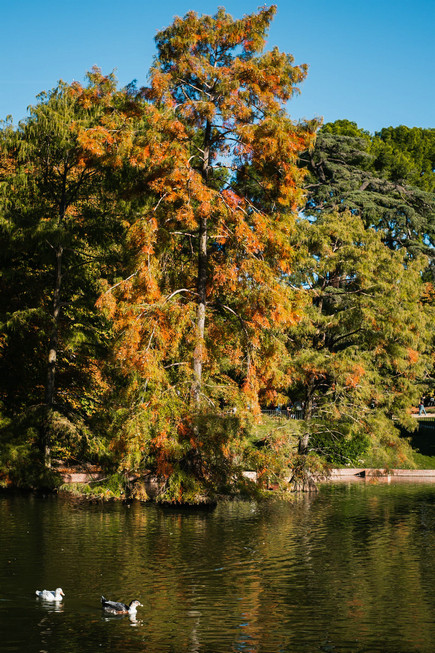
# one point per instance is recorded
(121, 282)
(160, 200)
(176, 293)
(183, 233)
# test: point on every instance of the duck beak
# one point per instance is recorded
(61, 591)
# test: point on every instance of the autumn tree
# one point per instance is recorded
(198, 314)
(386, 179)
(60, 228)
(361, 354)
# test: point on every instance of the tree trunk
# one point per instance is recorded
(198, 355)
(305, 480)
(303, 444)
(51, 361)
(308, 409)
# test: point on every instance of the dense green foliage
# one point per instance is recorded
(387, 178)
(60, 233)
(174, 260)
(362, 345)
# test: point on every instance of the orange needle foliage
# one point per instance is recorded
(199, 314)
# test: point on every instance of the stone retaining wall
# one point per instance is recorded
(364, 472)
(82, 477)
(151, 483)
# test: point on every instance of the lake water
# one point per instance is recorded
(350, 569)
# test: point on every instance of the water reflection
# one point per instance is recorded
(50, 606)
(134, 621)
(350, 569)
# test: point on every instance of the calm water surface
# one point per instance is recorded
(349, 570)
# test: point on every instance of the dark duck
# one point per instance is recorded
(115, 607)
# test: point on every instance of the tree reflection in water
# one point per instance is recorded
(350, 568)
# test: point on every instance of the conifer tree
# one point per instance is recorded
(361, 353)
(406, 155)
(56, 223)
(198, 313)
(385, 178)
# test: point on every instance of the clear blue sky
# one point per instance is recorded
(371, 61)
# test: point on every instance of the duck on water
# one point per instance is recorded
(115, 607)
(50, 595)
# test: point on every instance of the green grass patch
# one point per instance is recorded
(111, 488)
(424, 462)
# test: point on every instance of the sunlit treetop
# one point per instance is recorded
(210, 65)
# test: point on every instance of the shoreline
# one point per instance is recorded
(364, 474)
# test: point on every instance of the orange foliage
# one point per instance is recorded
(353, 379)
(178, 156)
(413, 355)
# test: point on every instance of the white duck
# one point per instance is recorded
(49, 595)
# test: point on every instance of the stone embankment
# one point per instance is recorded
(82, 474)
(358, 473)
(151, 483)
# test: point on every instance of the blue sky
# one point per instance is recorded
(370, 61)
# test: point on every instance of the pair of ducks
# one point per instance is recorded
(113, 607)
